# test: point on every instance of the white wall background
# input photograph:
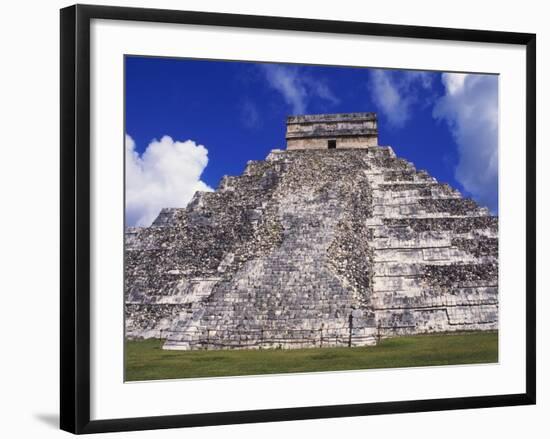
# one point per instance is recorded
(29, 248)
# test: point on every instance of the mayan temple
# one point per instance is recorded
(334, 241)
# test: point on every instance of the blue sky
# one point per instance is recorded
(189, 122)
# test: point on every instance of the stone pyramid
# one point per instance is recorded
(334, 241)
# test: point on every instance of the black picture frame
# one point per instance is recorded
(75, 217)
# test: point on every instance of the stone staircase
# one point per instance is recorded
(289, 297)
(435, 254)
(314, 248)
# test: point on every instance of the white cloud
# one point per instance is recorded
(166, 174)
(296, 88)
(385, 93)
(250, 115)
(321, 90)
(424, 78)
(396, 92)
(470, 108)
(453, 82)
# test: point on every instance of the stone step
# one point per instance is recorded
(428, 298)
(421, 255)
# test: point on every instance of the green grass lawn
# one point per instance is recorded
(145, 360)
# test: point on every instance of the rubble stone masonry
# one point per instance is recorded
(309, 248)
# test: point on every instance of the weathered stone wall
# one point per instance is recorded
(283, 255)
(354, 142)
(435, 254)
(333, 117)
(347, 130)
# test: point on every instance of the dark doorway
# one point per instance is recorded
(331, 144)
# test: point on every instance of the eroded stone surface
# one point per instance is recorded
(283, 255)
(322, 131)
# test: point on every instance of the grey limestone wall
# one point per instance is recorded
(314, 248)
(346, 130)
(353, 142)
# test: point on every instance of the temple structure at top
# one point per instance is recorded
(315, 247)
(328, 131)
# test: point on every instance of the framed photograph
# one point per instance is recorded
(275, 218)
